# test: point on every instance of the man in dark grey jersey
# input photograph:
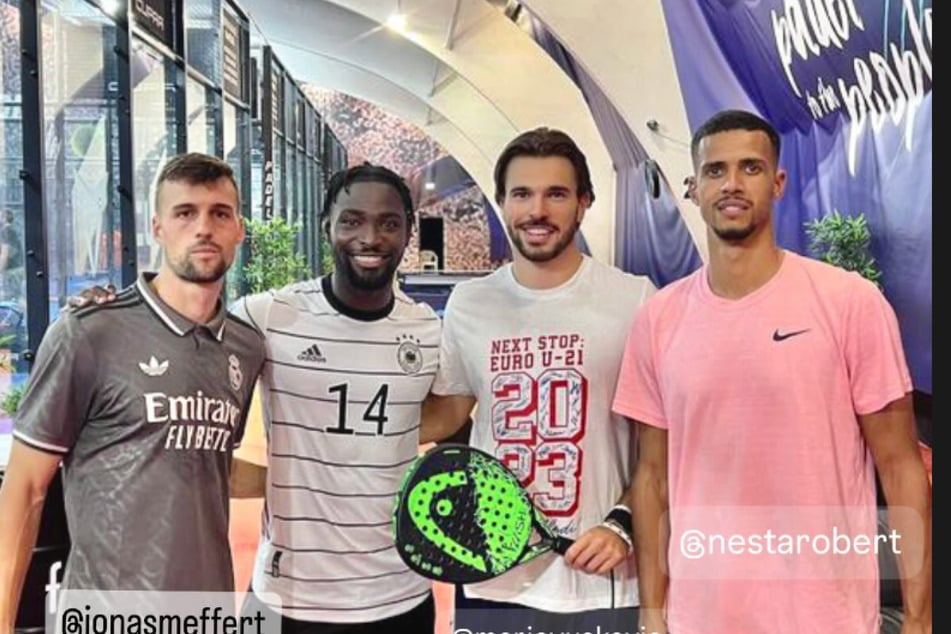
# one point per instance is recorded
(143, 401)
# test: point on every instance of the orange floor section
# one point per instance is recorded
(246, 524)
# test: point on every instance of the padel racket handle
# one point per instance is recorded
(562, 544)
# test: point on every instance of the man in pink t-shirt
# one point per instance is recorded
(767, 388)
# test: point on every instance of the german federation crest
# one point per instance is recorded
(234, 372)
(409, 355)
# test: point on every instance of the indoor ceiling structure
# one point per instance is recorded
(471, 77)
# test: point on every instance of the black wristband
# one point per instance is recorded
(622, 516)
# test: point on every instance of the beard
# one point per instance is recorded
(735, 234)
(185, 269)
(544, 254)
(365, 280)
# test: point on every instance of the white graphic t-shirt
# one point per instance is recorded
(543, 366)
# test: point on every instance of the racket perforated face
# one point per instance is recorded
(461, 516)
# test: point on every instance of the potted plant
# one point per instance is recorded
(844, 241)
(274, 260)
(11, 400)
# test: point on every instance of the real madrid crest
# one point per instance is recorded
(234, 372)
(409, 355)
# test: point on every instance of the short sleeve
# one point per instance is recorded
(253, 309)
(60, 389)
(638, 396)
(451, 378)
(878, 372)
(237, 434)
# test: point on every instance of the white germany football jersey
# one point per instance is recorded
(341, 392)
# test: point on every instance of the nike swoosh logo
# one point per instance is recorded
(782, 336)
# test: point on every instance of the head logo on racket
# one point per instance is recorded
(461, 516)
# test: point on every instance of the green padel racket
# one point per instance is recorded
(461, 517)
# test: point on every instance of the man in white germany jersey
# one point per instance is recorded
(537, 345)
(349, 362)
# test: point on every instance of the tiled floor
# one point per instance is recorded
(246, 525)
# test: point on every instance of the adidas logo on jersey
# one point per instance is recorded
(153, 367)
(312, 355)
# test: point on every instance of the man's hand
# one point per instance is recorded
(93, 295)
(597, 551)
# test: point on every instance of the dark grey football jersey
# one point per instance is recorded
(146, 407)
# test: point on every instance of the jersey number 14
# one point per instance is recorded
(374, 413)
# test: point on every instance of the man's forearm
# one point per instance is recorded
(893, 440)
(651, 536)
(20, 512)
(908, 495)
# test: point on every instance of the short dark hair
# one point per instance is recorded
(367, 173)
(543, 142)
(196, 169)
(728, 120)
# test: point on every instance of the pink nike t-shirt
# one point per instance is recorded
(770, 483)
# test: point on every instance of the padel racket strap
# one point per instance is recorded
(557, 544)
(562, 544)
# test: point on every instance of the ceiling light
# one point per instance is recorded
(397, 22)
(111, 7)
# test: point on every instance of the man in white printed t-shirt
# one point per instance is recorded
(538, 346)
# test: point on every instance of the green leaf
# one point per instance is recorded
(11, 400)
(274, 261)
(327, 257)
(844, 241)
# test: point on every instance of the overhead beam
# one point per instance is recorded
(451, 30)
(440, 84)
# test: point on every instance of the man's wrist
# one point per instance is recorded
(621, 515)
(618, 530)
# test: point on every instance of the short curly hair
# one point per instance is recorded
(367, 173)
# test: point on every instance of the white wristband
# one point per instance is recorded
(620, 532)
